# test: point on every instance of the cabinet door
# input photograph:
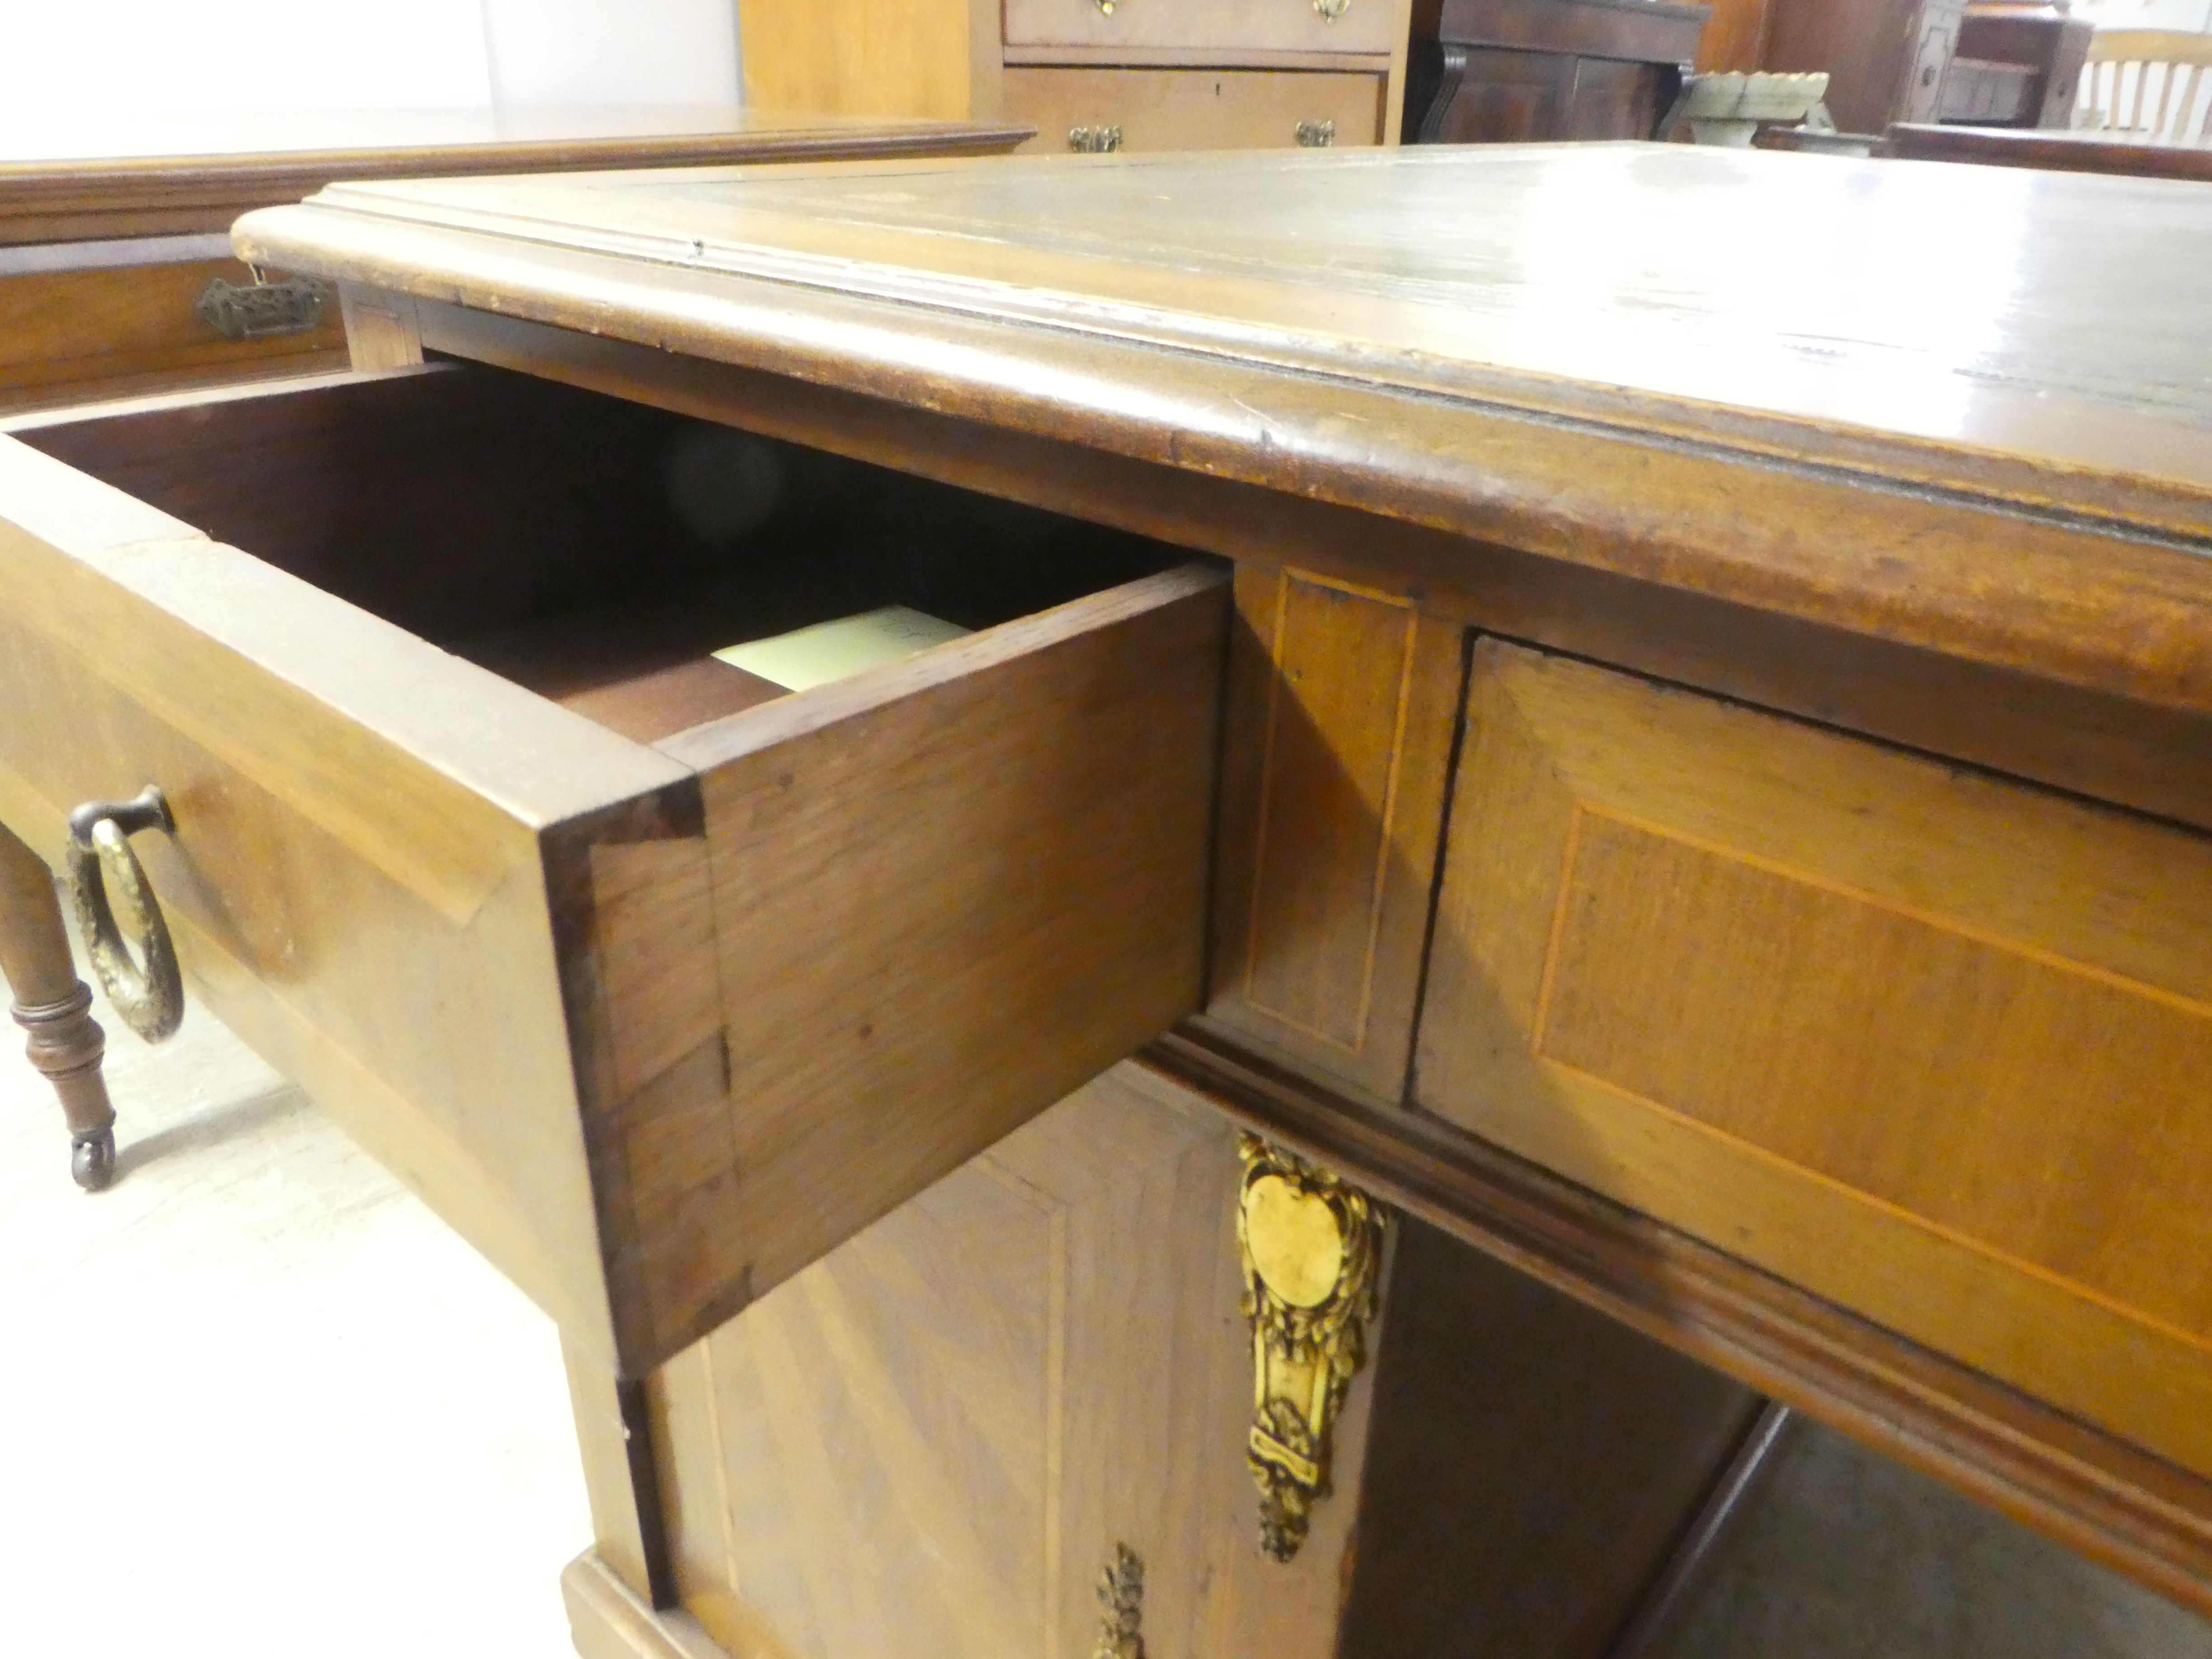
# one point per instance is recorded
(1929, 1043)
(932, 1443)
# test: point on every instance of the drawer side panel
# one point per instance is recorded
(944, 894)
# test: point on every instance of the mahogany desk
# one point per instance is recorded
(1697, 786)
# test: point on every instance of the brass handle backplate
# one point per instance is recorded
(1094, 140)
(150, 999)
(1311, 1247)
(262, 309)
(1315, 135)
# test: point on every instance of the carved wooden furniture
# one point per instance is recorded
(116, 275)
(1886, 59)
(2061, 152)
(1505, 71)
(2017, 66)
(1698, 790)
(2149, 84)
(1093, 75)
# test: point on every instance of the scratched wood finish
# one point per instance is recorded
(2025, 488)
(931, 1442)
(1339, 742)
(1194, 108)
(1783, 988)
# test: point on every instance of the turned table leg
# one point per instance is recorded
(55, 1006)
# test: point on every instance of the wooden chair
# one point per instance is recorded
(2126, 65)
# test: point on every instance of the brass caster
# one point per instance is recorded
(91, 1160)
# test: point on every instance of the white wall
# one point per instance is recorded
(108, 76)
(2194, 16)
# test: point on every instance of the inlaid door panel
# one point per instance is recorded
(934, 1442)
(1933, 1044)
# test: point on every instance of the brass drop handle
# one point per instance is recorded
(1330, 10)
(150, 999)
(1315, 135)
(1094, 140)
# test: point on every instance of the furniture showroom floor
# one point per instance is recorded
(257, 1401)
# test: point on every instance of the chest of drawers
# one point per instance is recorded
(1710, 817)
(1095, 75)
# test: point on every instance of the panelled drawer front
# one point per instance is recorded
(653, 1030)
(1245, 25)
(1195, 109)
(1930, 1044)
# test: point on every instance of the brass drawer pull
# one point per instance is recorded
(1315, 135)
(262, 310)
(1094, 140)
(150, 999)
(1330, 10)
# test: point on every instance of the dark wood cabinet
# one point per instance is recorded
(1505, 71)
(1886, 59)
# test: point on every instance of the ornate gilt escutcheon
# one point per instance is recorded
(1330, 10)
(1312, 1250)
(1121, 1606)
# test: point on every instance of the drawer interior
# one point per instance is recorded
(593, 550)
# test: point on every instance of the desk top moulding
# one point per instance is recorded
(1946, 492)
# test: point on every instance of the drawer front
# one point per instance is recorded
(1218, 25)
(340, 897)
(1194, 109)
(1932, 1045)
(653, 1028)
(71, 335)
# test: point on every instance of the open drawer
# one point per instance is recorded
(659, 996)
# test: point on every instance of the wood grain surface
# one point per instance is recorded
(930, 918)
(975, 1401)
(1183, 109)
(1788, 990)
(2023, 488)
(2098, 744)
(1342, 705)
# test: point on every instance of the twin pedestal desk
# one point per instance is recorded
(1495, 746)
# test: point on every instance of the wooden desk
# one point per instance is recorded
(2059, 152)
(1696, 786)
(110, 235)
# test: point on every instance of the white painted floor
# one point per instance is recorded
(255, 1400)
